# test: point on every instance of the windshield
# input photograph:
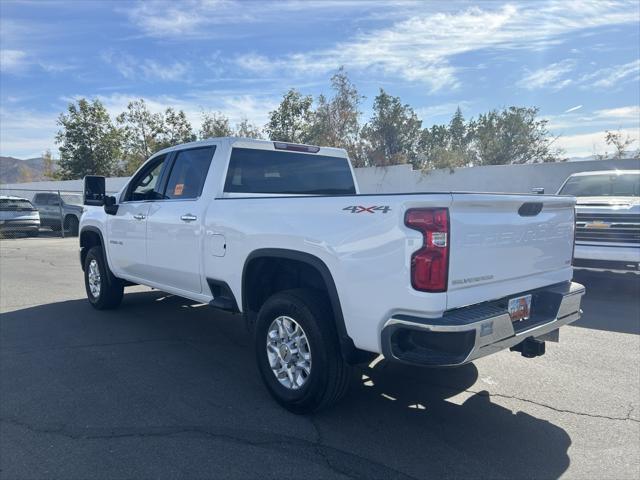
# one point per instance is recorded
(15, 204)
(614, 185)
(71, 199)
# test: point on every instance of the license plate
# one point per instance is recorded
(520, 308)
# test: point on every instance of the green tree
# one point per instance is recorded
(443, 146)
(89, 142)
(336, 121)
(215, 125)
(393, 133)
(512, 136)
(175, 129)
(142, 133)
(291, 121)
(245, 129)
(48, 166)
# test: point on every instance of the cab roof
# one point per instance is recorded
(242, 142)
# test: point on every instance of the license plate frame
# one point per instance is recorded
(519, 308)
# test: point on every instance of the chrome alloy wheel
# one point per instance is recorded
(94, 278)
(289, 352)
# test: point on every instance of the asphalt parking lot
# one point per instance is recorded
(163, 388)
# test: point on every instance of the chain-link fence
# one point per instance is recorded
(39, 213)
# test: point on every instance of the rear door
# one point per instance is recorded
(175, 224)
(505, 244)
(127, 230)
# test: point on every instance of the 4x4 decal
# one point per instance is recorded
(372, 209)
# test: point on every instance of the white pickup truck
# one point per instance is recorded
(326, 277)
(607, 220)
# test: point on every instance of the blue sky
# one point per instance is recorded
(579, 61)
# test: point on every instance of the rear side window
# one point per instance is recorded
(188, 173)
(267, 171)
(15, 205)
(43, 198)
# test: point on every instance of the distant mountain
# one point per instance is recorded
(14, 170)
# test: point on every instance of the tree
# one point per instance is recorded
(89, 142)
(513, 135)
(291, 121)
(25, 175)
(175, 129)
(215, 125)
(247, 130)
(142, 133)
(393, 132)
(336, 121)
(447, 146)
(621, 143)
(48, 166)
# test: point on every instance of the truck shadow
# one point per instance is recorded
(612, 302)
(170, 374)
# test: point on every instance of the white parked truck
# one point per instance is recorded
(326, 277)
(607, 220)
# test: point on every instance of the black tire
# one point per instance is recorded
(71, 224)
(330, 376)
(33, 233)
(111, 289)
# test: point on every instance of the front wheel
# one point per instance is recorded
(298, 353)
(104, 290)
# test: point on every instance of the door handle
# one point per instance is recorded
(188, 218)
(139, 216)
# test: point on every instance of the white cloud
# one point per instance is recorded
(26, 133)
(606, 119)
(573, 109)
(631, 112)
(423, 47)
(586, 144)
(609, 77)
(550, 76)
(13, 60)
(132, 68)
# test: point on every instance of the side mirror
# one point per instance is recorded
(538, 191)
(94, 190)
(110, 205)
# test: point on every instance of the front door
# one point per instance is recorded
(175, 224)
(127, 230)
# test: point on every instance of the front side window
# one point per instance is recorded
(188, 173)
(277, 172)
(146, 185)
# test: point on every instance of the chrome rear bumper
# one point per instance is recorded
(463, 335)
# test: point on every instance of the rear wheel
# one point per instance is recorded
(71, 225)
(104, 290)
(298, 352)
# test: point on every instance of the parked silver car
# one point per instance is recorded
(18, 216)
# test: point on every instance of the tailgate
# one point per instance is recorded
(505, 244)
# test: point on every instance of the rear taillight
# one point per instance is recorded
(430, 264)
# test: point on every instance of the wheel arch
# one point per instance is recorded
(90, 237)
(349, 352)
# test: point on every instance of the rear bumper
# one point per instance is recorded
(463, 335)
(607, 258)
(19, 225)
